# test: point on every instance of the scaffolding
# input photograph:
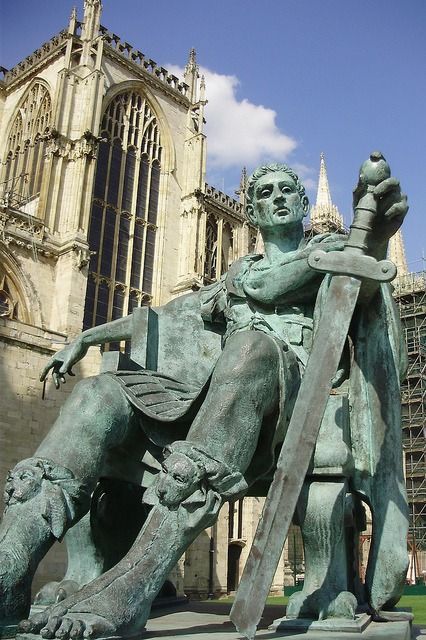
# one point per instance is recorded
(410, 294)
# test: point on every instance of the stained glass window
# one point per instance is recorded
(124, 213)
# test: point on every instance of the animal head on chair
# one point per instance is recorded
(180, 476)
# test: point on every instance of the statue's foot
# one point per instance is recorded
(65, 624)
(97, 610)
(321, 604)
(54, 592)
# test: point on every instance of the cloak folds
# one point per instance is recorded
(378, 363)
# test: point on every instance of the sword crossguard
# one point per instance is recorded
(352, 264)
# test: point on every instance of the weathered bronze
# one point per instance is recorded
(302, 433)
(197, 417)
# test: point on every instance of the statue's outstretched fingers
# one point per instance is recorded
(46, 370)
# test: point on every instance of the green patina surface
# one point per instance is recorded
(196, 417)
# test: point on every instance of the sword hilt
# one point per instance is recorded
(373, 171)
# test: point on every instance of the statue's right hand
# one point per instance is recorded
(63, 361)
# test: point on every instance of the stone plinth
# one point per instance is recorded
(210, 621)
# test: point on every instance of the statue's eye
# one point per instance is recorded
(265, 193)
(178, 478)
(286, 190)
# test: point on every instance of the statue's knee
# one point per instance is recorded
(253, 349)
(96, 391)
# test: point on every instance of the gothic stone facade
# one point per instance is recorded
(103, 206)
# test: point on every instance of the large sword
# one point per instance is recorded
(350, 268)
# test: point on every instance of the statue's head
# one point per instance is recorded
(179, 478)
(23, 482)
(275, 197)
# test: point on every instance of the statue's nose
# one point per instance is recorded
(160, 490)
(278, 195)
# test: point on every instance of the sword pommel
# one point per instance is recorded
(374, 170)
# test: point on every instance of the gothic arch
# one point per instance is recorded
(169, 156)
(25, 140)
(17, 297)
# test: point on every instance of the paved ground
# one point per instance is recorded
(210, 621)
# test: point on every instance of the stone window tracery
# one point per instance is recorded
(210, 262)
(123, 222)
(11, 302)
(26, 144)
(219, 248)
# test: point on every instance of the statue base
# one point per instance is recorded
(209, 621)
(329, 625)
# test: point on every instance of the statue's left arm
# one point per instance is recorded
(290, 280)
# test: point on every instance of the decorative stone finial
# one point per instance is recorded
(202, 89)
(191, 75)
(192, 60)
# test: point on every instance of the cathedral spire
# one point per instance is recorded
(396, 253)
(241, 191)
(191, 75)
(325, 215)
(323, 192)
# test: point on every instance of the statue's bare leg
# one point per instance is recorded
(321, 513)
(119, 602)
(48, 493)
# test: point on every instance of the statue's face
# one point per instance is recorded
(178, 479)
(22, 484)
(276, 202)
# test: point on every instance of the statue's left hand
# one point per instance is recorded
(63, 361)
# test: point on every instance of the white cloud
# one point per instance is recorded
(239, 133)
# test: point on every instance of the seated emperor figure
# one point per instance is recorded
(219, 434)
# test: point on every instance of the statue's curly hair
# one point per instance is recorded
(271, 168)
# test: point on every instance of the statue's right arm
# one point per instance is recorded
(63, 361)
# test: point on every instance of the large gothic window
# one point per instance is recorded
(124, 211)
(26, 146)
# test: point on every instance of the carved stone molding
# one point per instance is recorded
(59, 145)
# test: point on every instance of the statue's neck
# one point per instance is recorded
(277, 245)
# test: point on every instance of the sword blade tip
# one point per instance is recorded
(246, 629)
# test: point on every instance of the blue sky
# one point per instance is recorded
(286, 80)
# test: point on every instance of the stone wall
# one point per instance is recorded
(28, 410)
